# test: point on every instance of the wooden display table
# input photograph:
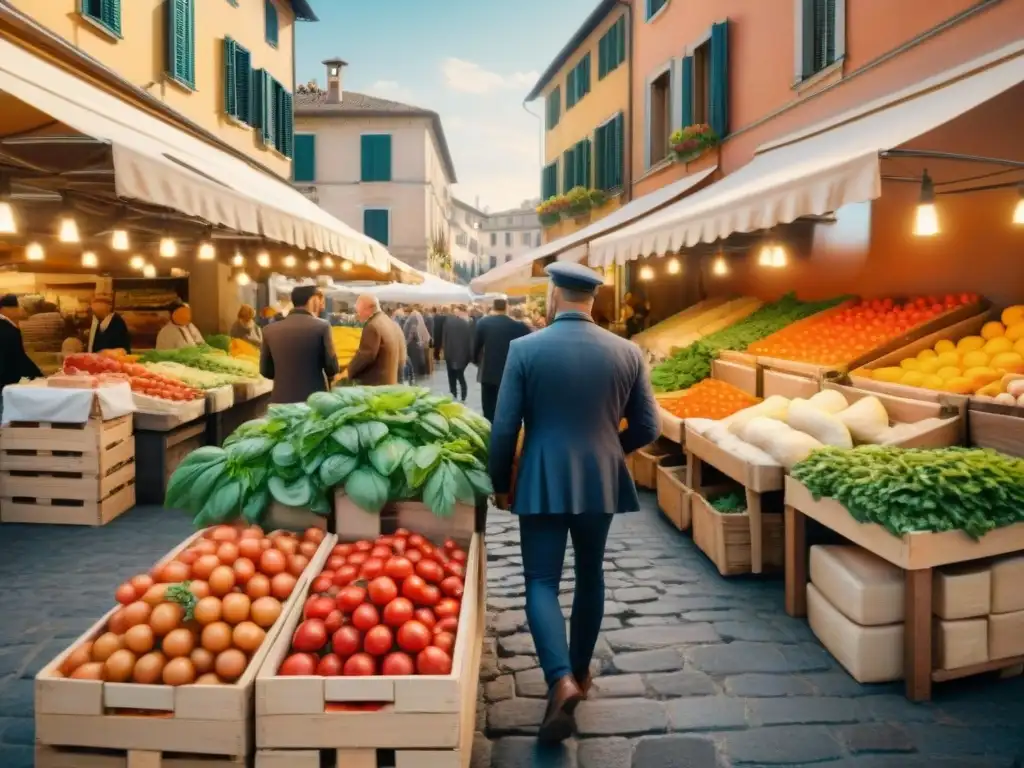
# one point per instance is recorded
(162, 440)
(916, 553)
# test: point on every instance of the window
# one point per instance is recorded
(375, 149)
(536, 241)
(461, 239)
(106, 13)
(653, 6)
(474, 247)
(524, 238)
(284, 139)
(554, 108)
(611, 48)
(494, 239)
(821, 35)
(270, 15)
(304, 167)
(704, 91)
(549, 181)
(608, 154)
(508, 257)
(577, 83)
(181, 42)
(659, 117)
(494, 261)
(377, 224)
(508, 239)
(275, 117)
(576, 165)
(233, 2)
(238, 102)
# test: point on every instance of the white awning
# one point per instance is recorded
(433, 290)
(519, 269)
(818, 169)
(158, 163)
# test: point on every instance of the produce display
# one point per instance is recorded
(204, 358)
(688, 326)
(346, 342)
(708, 399)
(140, 379)
(906, 490)
(241, 348)
(692, 363)
(850, 333)
(730, 503)
(219, 341)
(986, 364)
(380, 444)
(194, 377)
(201, 616)
(384, 607)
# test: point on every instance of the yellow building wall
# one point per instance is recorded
(608, 96)
(139, 57)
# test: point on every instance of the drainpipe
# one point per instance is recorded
(627, 171)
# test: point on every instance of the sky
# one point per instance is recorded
(471, 62)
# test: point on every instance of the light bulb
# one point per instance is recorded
(926, 220)
(136, 262)
(263, 259)
(68, 232)
(119, 240)
(313, 265)
(346, 266)
(89, 260)
(238, 260)
(674, 268)
(206, 251)
(778, 256)
(289, 261)
(646, 273)
(719, 266)
(764, 258)
(7, 224)
(168, 248)
(34, 252)
(328, 262)
(1018, 212)
(149, 271)
(242, 278)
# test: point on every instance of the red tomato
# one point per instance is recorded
(455, 568)
(398, 611)
(321, 584)
(382, 590)
(397, 663)
(445, 641)
(426, 617)
(381, 551)
(357, 558)
(351, 597)
(413, 555)
(365, 617)
(378, 640)
(458, 555)
(403, 532)
(412, 587)
(415, 540)
(399, 546)
(334, 621)
(343, 550)
(429, 595)
(448, 606)
(385, 539)
(334, 562)
(329, 666)
(447, 624)
(360, 665)
(449, 545)
(372, 568)
(318, 608)
(398, 568)
(433, 661)
(363, 546)
(413, 637)
(430, 571)
(452, 586)
(299, 664)
(346, 641)
(310, 636)
(345, 575)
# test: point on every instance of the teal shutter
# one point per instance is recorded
(581, 157)
(620, 37)
(602, 56)
(616, 152)
(653, 6)
(375, 157)
(181, 41)
(583, 77)
(304, 166)
(568, 169)
(243, 85)
(285, 139)
(265, 107)
(375, 224)
(270, 16)
(366, 160)
(600, 165)
(110, 15)
(549, 181)
(554, 107)
(718, 107)
(230, 78)
(686, 91)
(570, 89)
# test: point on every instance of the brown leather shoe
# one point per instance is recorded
(584, 682)
(558, 721)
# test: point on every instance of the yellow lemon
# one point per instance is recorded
(910, 364)
(866, 373)
(974, 359)
(992, 330)
(1011, 362)
(927, 354)
(949, 372)
(998, 345)
(1015, 332)
(933, 382)
(970, 344)
(959, 385)
(929, 366)
(945, 346)
(891, 374)
(913, 378)
(948, 358)
(1013, 315)
(1018, 346)
(982, 376)
(991, 390)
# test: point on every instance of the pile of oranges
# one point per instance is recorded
(849, 333)
(708, 399)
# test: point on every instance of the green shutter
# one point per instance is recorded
(599, 161)
(653, 6)
(620, 36)
(568, 169)
(718, 106)
(110, 15)
(554, 106)
(583, 77)
(820, 26)
(375, 224)
(243, 85)
(285, 137)
(265, 106)
(304, 166)
(686, 91)
(181, 41)
(570, 89)
(602, 56)
(581, 158)
(270, 16)
(230, 78)
(375, 157)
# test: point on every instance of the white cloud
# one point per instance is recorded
(390, 89)
(470, 77)
(497, 157)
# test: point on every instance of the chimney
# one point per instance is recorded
(334, 70)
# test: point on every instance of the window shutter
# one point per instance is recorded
(618, 150)
(719, 101)
(375, 224)
(583, 163)
(270, 15)
(110, 15)
(570, 88)
(304, 166)
(366, 158)
(181, 64)
(230, 77)
(686, 91)
(243, 85)
(267, 107)
(568, 170)
(808, 37)
(384, 166)
(285, 124)
(621, 38)
(602, 57)
(599, 159)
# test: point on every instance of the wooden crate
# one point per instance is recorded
(159, 451)
(77, 757)
(740, 370)
(151, 722)
(789, 385)
(904, 410)
(674, 495)
(726, 539)
(996, 426)
(427, 721)
(646, 461)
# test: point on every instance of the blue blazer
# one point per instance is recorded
(569, 386)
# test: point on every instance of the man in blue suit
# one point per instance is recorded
(569, 386)
(491, 337)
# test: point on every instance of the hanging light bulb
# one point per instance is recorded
(238, 260)
(778, 257)
(674, 267)
(263, 259)
(289, 261)
(137, 263)
(168, 247)
(313, 265)
(149, 271)
(328, 262)
(8, 226)
(207, 250)
(119, 240)
(926, 217)
(646, 273)
(67, 231)
(242, 278)
(764, 257)
(90, 260)
(1018, 212)
(719, 266)
(346, 266)
(34, 252)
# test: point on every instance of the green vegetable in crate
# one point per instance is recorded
(906, 490)
(691, 364)
(731, 503)
(204, 358)
(379, 444)
(219, 341)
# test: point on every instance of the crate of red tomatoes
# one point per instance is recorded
(384, 652)
(171, 669)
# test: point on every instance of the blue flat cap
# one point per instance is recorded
(574, 277)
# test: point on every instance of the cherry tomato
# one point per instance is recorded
(413, 555)
(398, 611)
(430, 571)
(416, 540)
(346, 641)
(372, 568)
(397, 664)
(398, 568)
(453, 568)
(299, 664)
(334, 562)
(429, 595)
(350, 598)
(378, 640)
(449, 545)
(412, 587)
(445, 641)
(382, 590)
(413, 637)
(321, 584)
(363, 546)
(381, 552)
(334, 621)
(357, 558)
(329, 666)
(342, 550)
(447, 624)
(310, 636)
(452, 586)
(345, 575)
(426, 617)
(359, 665)
(446, 607)
(365, 617)
(318, 608)
(433, 661)
(458, 556)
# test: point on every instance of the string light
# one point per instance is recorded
(238, 260)
(328, 262)
(168, 247)
(719, 267)
(778, 257)
(119, 240)
(263, 259)
(34, 252)
(1018, 212)
(289, 261)
(149, 271)
(764, 258)
(346, 266)
(313, 265)
(242, 278)
(8, 224)
(207, 250)
(137, 263)
(926, 217)
(674, 267)
(67, 231)
(646, 274)
(90, 260)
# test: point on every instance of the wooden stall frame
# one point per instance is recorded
(996, 426)
(742, 373)
(726, 538)
(673, 495)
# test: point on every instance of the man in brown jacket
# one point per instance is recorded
(381, 354)
(298, 351)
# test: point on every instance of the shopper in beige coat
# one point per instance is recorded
(381, 354)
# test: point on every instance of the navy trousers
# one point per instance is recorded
(542, 541)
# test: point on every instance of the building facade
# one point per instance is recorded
(507, 234)
(584, 92)
(227, 67)
(381, 166)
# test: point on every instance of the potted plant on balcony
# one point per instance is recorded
(598, 197)
(578, 202)
(550, 211)
(691, 142)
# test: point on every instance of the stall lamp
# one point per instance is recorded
(346, 266)
(778, 257)
(89, 260)
(149, 271)
(764, 257)
(34, 252)
(238, 260)
(313, 265)
(8, 226)
(137, 263)
(168, 247)
(328, 262)
(242, 278)
(608, 277)
(1018, 212)
(263, 259)
(926, 218)
(207, 251)
(67, 232)
(119, 240)
(646, 273)
(674, 268)
(289, 261)
(719, 266)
